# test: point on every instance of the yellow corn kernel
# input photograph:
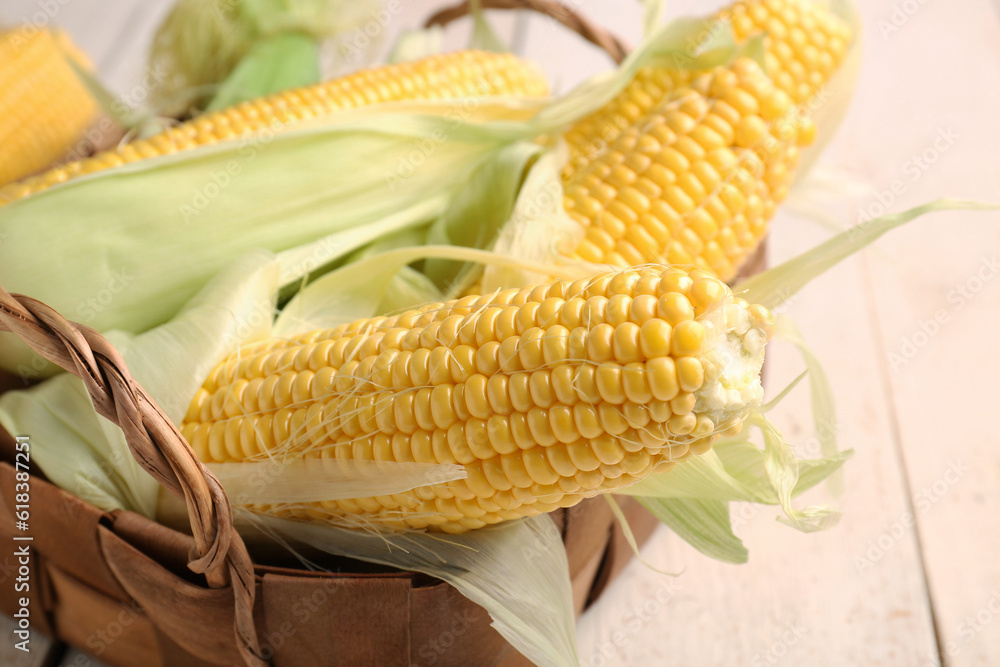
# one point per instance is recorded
(446, 76)
(715, 160)
(652, 140)
(44, 105)
(802, 37)
(543, 433)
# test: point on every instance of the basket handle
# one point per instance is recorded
(570, 18)
(156, 444)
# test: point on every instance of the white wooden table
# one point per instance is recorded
(917, 402)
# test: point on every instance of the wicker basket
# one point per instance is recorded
(130, 591)
(117, 586)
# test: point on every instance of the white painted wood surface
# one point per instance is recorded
(915, 401)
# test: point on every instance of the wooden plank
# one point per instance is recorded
(937, 298)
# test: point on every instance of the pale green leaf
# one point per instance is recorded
(700, 477)
(704, 524)
(743, 460)
(355, 291)
(70, 445)
(652, 12)
(538, 230)
(823, 407)
(815, 471)
(272, 64)
(301, 480)
(780, 465)
(779, 284)
(409, 288)
(311, 259)
(119, 270)
(479, 211)
(783, 471)
(234, 309)
(484, 37)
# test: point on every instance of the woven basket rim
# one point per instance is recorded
(596, 34)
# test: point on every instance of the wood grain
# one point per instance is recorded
(935, 288)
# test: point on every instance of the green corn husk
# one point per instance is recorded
(216, 53)
(365, 174)
(119, 270)
(271, 65)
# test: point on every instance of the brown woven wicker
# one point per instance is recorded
(569, 17)
(157, 445)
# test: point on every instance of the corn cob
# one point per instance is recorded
(804, 43)
(688, 166)
(45, 106)
(546, 395)
(447, 76)
(695, 180)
